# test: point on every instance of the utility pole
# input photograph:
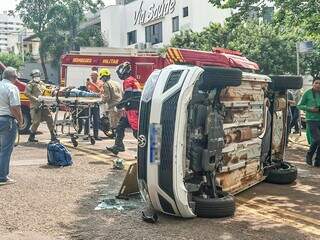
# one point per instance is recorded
(298, 60)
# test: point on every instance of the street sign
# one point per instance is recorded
(305, 47)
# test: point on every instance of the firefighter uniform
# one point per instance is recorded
(130, 102)
(112, 96)
(39, 112)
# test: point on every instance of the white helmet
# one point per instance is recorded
(35, 73)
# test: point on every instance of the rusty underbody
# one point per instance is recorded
(245, 125)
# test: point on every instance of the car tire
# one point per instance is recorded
(284, 82)
(223, 206)
(25, 129)
(217, 77)
(285, 174)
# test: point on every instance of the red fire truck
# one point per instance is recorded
(76, 67)
(25, 103)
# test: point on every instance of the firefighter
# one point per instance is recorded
(130, 102)
(112, 95)
(39, 112)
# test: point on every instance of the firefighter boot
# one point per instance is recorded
(53, 136)
(117, 147)
(32, 137)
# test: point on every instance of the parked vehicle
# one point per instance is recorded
(21, 83)
(211, 127)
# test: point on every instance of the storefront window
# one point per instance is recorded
(132, 37)
(175, 24)
(154, 33)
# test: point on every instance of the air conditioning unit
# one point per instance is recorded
(140, 46)
(148, 45)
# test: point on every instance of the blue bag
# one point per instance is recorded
(58, 154)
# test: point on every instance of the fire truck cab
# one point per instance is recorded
(210, 126)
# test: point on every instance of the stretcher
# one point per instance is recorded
(75, 110)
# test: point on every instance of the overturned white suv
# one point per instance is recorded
(211, 127)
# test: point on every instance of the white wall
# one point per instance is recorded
(113, 25)
(118, 20)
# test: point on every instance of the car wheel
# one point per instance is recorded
(285, 174)
(217, 77)
(284, 82)
(24, 129)
(223, 206)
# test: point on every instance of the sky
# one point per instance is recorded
(11, 4)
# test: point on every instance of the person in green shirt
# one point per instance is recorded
(310, 103)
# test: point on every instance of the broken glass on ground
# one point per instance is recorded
(111, 202)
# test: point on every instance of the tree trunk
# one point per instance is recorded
(43, 64)
(43, 61)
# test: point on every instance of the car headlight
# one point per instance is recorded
(150, 86)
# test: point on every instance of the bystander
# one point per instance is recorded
(310, 103)
(10, 114)
(295, 121)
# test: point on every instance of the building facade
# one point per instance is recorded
(131, 23)
(10, 27)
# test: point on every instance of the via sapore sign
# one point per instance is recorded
(153, 12)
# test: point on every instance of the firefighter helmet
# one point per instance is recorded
(124, 70)
(104, 72)
(35, 73)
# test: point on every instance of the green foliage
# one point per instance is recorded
(35, 14)
(305, 14)
(214, 35)
(56, 23)
(91, 37)
(273, 45)
(12, 60)
(274, 51)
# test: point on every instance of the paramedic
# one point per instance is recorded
(130, 102)
(10, 113)
(94, 85)
(39, 112)
(112, 95)
(310, 103)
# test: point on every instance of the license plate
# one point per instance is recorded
(155, 142)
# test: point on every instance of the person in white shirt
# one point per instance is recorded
(10, 115)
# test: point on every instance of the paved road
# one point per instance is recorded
(265, 211)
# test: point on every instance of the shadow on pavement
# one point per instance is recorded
(301, 198)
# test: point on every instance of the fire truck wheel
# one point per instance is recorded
(24, 129)
(217, 77)
(284, 174)
(223, 206)
(284, 82)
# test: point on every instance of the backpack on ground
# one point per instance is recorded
(58, 154)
